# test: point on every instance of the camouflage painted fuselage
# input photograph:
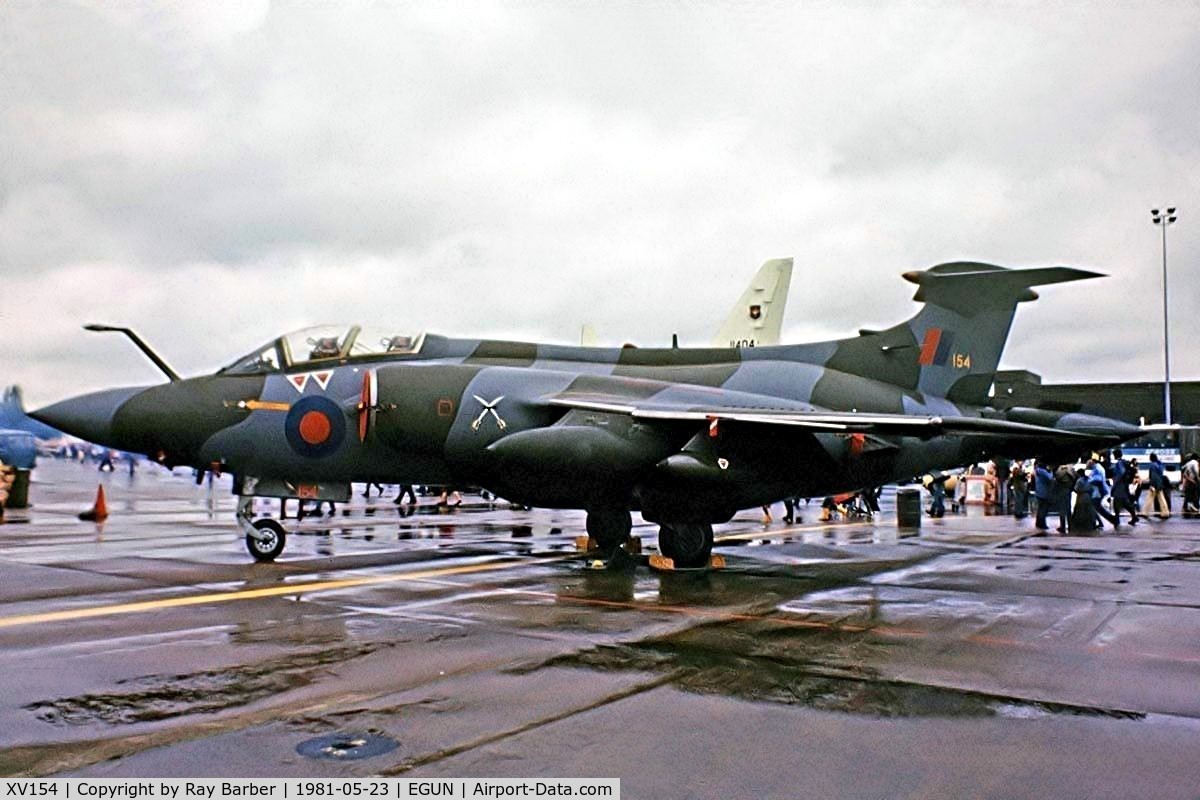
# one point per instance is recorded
(682, 434)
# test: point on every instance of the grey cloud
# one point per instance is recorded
(522, 169)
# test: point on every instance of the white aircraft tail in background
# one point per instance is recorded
(757, 316)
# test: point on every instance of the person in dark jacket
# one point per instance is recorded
(1124, 473)
(1064, 483)
(1018, 490)
(937, 494)
(1098, 483)
(1083, 518)
(1157, 497)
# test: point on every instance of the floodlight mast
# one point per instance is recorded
(1163, 220)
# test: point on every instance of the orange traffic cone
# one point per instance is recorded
(99, 511)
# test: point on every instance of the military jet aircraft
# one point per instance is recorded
(686, 436)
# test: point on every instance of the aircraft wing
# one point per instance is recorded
(823, 421)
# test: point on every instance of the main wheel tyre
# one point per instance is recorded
(609, 527)
(271, 545)
(689, 545)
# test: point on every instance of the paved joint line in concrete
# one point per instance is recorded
(474, 744)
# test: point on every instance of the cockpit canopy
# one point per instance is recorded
(324, 343)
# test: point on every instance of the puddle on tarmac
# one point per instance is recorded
(157, 697)
(781, 671)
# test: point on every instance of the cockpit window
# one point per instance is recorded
(323, 343)
(265, 359)
(380, 341)
(325, 347)
(319, 343)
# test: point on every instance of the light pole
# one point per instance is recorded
(1162, 221)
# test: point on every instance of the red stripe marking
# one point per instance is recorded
(364, 406)
(929, 346)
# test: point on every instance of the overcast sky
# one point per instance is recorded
(217, 174)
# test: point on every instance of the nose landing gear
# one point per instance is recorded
(265, 537)
(269, 542)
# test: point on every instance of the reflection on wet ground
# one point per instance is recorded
(157, 697)
(482, 643)
(821, 670)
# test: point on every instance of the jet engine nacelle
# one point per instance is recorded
(572, 448)
(599, 457)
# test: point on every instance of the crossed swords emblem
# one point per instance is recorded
(488, 408)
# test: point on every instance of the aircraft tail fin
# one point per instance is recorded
(12, 405)
(587, 336)
(13, 415)
(757, 317)
(952, 347)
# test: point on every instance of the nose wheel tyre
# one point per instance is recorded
(688, 544)
(274, 536)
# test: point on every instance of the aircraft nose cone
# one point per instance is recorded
(88, 416)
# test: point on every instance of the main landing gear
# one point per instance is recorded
(609, 527)
(265, 537)
(688, 544)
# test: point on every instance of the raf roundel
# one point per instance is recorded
(315, 427)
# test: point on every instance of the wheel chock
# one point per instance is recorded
(663, 564)
(587, 544)
(597, 563)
